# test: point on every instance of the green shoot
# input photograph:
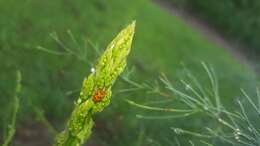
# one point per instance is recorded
(96, 89)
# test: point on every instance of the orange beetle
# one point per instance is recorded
(99, 95)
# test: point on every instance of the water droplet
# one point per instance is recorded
(177, 130)
(187, 87)
(79, 101)
(113, 45)
(205, 108)
(237, 137)
(238, 132)
(92, 69)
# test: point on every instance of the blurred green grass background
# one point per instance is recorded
(237, 20)
(162, 43)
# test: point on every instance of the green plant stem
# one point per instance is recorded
(96, 89)
(12, 126)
